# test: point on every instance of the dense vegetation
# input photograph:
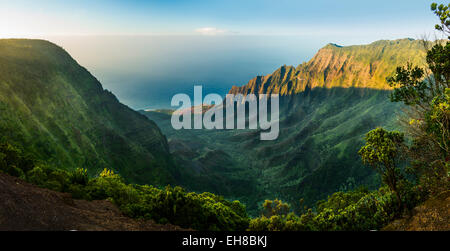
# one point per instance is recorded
(358, 210)
(204, 211)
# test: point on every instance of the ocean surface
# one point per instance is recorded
(145, 72)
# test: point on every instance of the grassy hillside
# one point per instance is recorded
(58, 112)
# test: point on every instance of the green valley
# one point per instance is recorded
(326, 107)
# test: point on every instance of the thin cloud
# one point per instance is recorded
(212, 31)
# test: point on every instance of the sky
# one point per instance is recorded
(209, 17)
(147, 51)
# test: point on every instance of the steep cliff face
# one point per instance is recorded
(359, 66)
(57, 111)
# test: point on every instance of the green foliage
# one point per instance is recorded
(438, 61)
(437, 121)
(443, 12)
(382, 148)
(410, 87)
(204, 211)
(13, 161)
(430, 149)
(358, 210)
(276, 207)
(426, 92)
(383, 151)
(413, 87)
(79, 176)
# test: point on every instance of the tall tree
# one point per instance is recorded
(426, 91)
(383, 151)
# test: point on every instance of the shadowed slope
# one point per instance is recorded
(59, 112)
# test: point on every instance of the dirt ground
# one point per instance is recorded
(433, 215)
(24, 207)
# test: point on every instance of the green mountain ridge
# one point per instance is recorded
(323, 120)
(58, 112)
(358, 66)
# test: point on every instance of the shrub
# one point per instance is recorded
(204, 211)
(79, 176)
(37, 176)
(359, 210)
